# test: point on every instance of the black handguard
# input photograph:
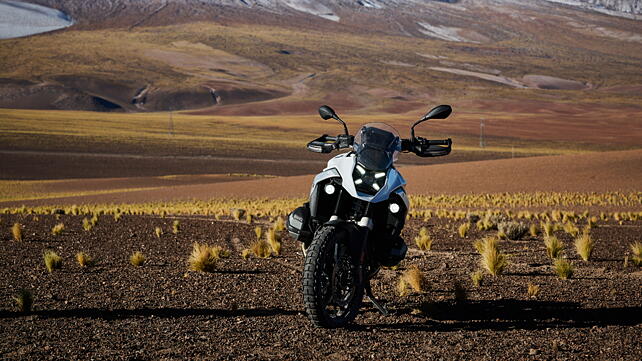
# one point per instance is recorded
(327, 143)
(431, 148)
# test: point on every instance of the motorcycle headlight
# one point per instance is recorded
(368, 181)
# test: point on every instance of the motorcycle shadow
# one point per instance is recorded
(508, 315)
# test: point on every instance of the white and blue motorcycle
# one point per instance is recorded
(352, 223)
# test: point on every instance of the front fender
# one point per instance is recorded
(354, 236)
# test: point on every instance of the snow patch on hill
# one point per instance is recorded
(18, 19)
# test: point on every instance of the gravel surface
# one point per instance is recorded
(252, 309)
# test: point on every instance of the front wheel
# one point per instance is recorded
(332, 293)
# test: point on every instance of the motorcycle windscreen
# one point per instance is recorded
(374, 159)
(376, 148)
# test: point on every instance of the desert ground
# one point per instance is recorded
(252, 309)
(148, 126)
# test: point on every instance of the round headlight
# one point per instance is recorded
(329, 189)
(394, 207)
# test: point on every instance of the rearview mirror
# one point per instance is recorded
(328, 113)
(438, 112)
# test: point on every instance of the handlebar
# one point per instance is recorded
(426, 147)
(327, 143)
(420, 146)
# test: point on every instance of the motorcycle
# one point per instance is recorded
(351, 225)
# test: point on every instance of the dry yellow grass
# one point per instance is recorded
(84, 260)
(584, 245)
(463, 229)
(533, 290)
(423, 240)
(477, 277)
(412, 277)
(87, 224)
(258, 231)
(279, 224)
(547, 228)
(636, 249)
(203, 258)
(57, 229)
(24, 301)
(261, 248)
(533, 230)
(237, 213)
(16, 232)
(137, 259)
(571, 229)
(176, 224)
(273, 239)
(52, 261)
(563, 268)
(554, 247)
(492, 259)
(158, 231)
(245, 254)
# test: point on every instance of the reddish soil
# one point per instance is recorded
(593, 172)
(27, 164)
(252, 309)
(595, 125)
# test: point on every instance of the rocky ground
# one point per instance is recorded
(252, 309)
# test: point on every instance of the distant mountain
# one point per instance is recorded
(290, 55)
(105, 10)
(613, 7)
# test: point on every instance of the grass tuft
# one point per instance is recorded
(463, 229)
(258, 231)
(411, 277)
(423, 241)
(84, 260)
(245, 254)
(584, 245)
(279, 224)
(237, 213)
(261, 248)
(204, 258)
(533, 230)
(571, 229)
(16, 232)
(87, 224)
(548, 229)
(273, 238)
(176, 226)
(477, 277)
(563, 267)
(554, 247)
(533, 290)
(636, 257)
(137, 259)
(57, 229)
(492, 259)
(158, 231)
(52, 261)
(512, 230)
(24, 300)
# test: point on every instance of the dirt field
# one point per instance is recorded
(252, 309)
(592, 172)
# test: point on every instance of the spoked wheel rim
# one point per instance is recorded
(337, 282)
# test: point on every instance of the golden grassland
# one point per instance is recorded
(190, 134)
(457, 207)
